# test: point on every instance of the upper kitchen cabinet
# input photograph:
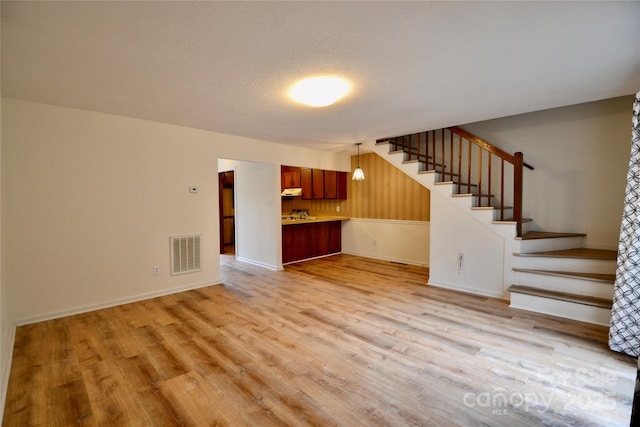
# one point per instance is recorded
(330, 185)
(306, 181)
(341, 186)
(290, 177)
(318, 184)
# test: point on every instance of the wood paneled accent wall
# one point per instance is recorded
(386, 193)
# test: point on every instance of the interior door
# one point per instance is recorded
(227, 211)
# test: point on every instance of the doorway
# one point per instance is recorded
(227, 212)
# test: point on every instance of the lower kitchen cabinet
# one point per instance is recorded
(309, 240)
(335, 237)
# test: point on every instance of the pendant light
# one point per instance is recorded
(358, 174)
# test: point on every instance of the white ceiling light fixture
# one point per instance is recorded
(358, 174)
(319, 91)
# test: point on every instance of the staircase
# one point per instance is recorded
(558, 276)
(543, 272)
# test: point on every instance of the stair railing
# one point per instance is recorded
(468, 161)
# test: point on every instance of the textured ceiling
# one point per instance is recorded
(226, 66)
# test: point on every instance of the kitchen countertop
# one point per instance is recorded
(313, 219)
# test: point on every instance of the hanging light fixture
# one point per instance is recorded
(358, 174)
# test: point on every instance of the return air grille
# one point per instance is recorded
(185, 254)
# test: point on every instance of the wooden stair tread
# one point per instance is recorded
(482, 208)
(492, 207)
(598, 277)
(531, 235)
(582, 253)
(562, 296)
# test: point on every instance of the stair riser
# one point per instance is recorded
(566, 264)
(496, 214)
(564, 309)
(526, 226)
(555, 244)
(566, 284)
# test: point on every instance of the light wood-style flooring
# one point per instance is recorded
(340, 341)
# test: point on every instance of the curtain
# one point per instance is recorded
(624, 333)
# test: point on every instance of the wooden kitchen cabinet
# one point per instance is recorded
(330, 185)
(294, 243)
(290, 177)
(318, 239)
(335, 237)
(341, 186)
(310, 240)
(306, 181)
(318, 183)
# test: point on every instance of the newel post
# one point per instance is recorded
(517, 191)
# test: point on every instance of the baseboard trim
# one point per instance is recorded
(6, 371)
(466, 289)
(391, 259)
(113, 303)
(257, 263)
(309, 259)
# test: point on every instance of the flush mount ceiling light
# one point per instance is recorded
(319, 91)
(358, 174)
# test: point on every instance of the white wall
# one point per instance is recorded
(455, 232)
(258, 225)
(391, 240)
(580, 154)
(90, 201)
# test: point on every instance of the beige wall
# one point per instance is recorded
(6, 324)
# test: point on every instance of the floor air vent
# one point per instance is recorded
(185, 254)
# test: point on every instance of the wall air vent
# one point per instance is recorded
(185, 254)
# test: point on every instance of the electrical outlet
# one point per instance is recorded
(375, 243)
(460, 262)
(156, 270)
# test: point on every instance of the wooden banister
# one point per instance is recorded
(469, 170)
(517, 192)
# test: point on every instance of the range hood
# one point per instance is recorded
(291, 192)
